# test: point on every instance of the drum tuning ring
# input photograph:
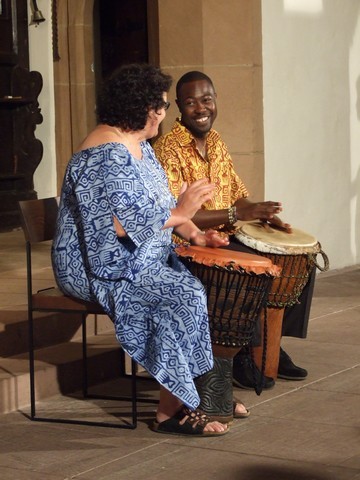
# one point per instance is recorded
(325, 258)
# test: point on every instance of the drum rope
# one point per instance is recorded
(287, 288)
(235, 301)
(258, 388)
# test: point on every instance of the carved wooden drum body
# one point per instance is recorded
(237, 286)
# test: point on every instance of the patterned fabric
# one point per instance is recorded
(158, 307)
(183, 162)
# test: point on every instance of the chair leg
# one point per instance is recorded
(31, 365)
(84, 359)
(30, 331)
(133, 398)
(133, 378)
(86, 393)
(33, 416)
(133, 392)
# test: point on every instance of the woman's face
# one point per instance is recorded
(155, 118)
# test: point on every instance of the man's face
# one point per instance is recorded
(197, 105)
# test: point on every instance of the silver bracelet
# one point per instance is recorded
(232, 215)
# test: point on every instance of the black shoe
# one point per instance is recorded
(288, 370)
(247, 375)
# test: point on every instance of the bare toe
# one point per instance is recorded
(215, 427)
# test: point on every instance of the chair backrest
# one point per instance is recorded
(38, 218)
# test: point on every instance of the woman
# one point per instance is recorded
(113, 245)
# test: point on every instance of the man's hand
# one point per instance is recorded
(277, 223)
(265, 211)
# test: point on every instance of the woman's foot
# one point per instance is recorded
(189, 422)
(240, 411)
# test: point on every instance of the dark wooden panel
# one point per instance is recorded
(20, 151)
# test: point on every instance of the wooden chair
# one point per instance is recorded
(38, 219)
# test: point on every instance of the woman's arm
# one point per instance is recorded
(120, 232)
(189, 202)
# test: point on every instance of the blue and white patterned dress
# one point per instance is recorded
(158, 307)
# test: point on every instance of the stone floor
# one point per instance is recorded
(298, 430)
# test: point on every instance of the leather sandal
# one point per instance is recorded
(186, 422)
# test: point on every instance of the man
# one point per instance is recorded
(194, 150)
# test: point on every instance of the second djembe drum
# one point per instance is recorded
(296, 254)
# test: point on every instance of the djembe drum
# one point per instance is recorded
(296, 254)
(237, 286)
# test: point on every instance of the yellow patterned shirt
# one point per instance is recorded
(183, 162)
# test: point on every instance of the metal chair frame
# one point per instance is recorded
(38, 219)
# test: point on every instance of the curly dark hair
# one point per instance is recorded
(128, 95)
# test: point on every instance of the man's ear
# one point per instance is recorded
(177, 103)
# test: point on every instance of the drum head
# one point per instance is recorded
(270, 240)
(229, 259)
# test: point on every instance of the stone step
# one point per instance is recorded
(58, 370)
(49, 329)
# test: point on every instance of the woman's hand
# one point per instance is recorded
(210, 238)
(192, 197)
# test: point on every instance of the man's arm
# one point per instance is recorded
(211, 218)
(245, 211)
